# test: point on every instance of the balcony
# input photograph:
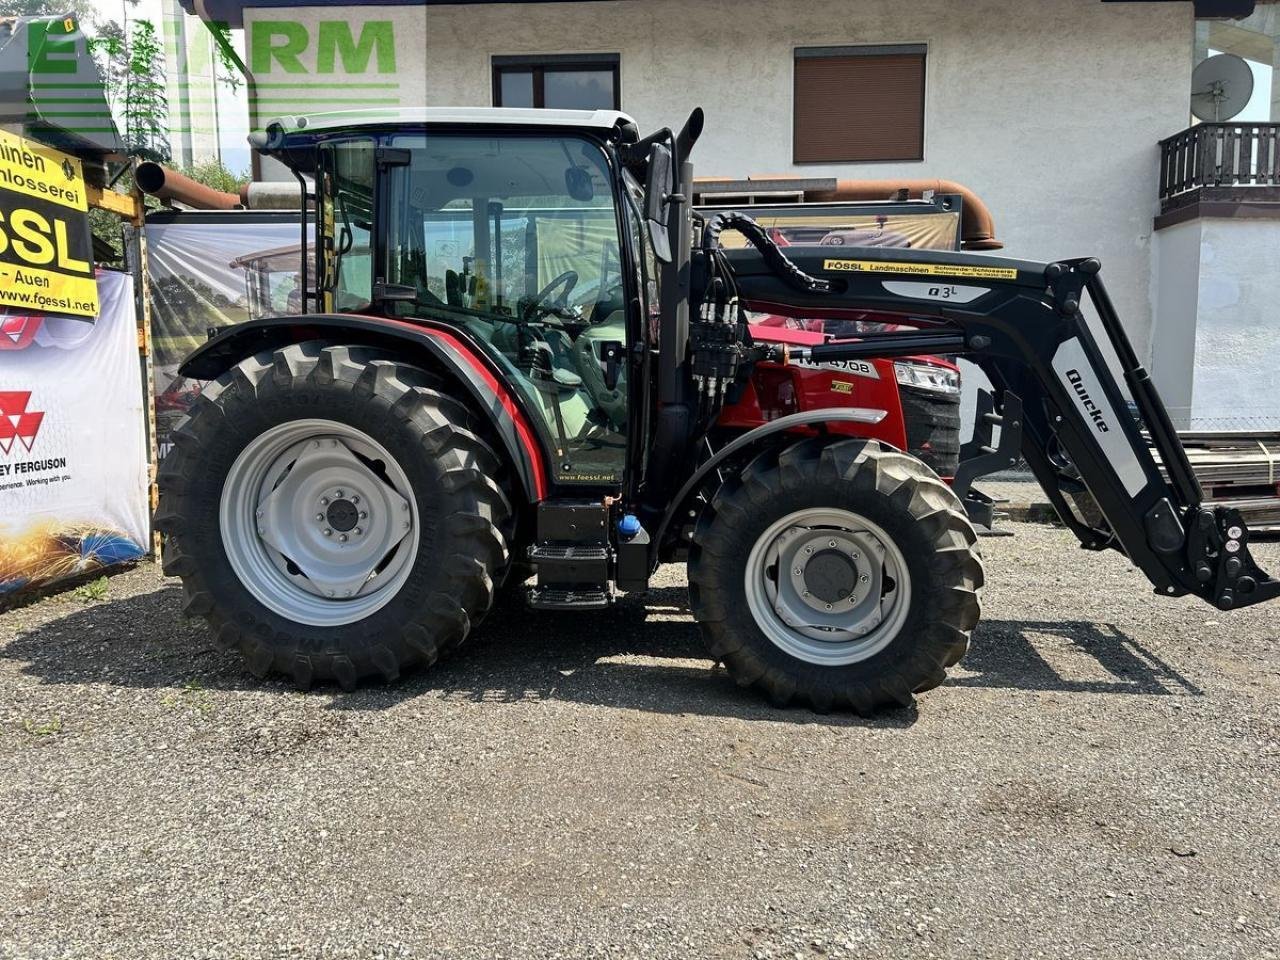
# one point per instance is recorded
(1219, 169)
(1214, 270)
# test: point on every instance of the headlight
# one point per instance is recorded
(927, 376)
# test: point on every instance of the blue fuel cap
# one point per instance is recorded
(628, 526)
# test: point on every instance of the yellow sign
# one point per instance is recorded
(841, 386)
(46, 251)
(34, 170)
(921, 269)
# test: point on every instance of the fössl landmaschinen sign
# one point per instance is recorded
(46, 253)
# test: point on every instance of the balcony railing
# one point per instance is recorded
(1220, 155)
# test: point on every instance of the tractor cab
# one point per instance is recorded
(523, 234)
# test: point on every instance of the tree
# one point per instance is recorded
(215, 174)
(83, 10)
(146, 105)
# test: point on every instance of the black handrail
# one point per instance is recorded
(1220, 155)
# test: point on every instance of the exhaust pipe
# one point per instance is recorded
(159, 181)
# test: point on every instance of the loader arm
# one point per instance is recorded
(1036, 329)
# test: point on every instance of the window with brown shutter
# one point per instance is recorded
(855, 104)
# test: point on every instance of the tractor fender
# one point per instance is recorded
(756, 438)
(434, 346)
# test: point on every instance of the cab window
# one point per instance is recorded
(516, 239)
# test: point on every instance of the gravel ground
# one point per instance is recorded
(1099, 780)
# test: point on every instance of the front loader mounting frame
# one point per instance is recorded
(1035, 329)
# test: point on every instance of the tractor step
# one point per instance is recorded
(551, 598)
(560, 563)
(573, 556)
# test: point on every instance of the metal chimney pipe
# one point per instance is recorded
(159, 181)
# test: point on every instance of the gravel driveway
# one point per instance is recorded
(1101, 779)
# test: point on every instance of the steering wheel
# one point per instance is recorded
(568, 280)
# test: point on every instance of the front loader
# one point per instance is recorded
(524, 356)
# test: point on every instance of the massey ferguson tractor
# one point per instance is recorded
(524, 355)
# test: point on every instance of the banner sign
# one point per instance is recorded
(73, 453)
(46, 252)
(208, 271)
(854, 228)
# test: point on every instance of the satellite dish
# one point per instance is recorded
(1220, 87)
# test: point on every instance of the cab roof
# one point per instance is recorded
(373, 118)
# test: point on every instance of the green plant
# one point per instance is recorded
(146, 105)
(193, 696)
(92, 591)
(43, 728)
(215, 174)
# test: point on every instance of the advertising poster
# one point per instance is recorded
(917, 231)
(73, 454)
(208, 271)
(46, 251)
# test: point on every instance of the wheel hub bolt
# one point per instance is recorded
(854, 555)
(355, 499)
(324, 501)
(357, 531)
(339, 494)
(319, 518)
(828, 606)
(327, 532)
(863, 579)
(798, 571)
(808, 549)
(831, 543)
(342, 537)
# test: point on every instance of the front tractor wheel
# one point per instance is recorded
(843, 574)
(333, 515)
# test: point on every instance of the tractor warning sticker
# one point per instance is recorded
(921, 269)
(46, 253)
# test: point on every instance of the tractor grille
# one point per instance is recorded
(933, 428)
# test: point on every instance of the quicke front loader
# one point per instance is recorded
(527, 357)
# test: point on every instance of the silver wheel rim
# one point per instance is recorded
(318, 522)
(828, 586)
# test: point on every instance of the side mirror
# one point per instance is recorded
(657, 199)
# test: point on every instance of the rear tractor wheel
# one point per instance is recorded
(842, 574)
(333, 515)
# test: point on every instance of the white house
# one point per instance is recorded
(1051, 110)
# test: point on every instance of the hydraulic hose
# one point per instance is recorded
(757, 236)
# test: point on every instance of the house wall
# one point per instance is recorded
(1049, 109)
(1176, 298)
(1237, 378)
(1215, 297)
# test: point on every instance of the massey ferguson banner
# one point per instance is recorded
(46, 251)
(73, 457)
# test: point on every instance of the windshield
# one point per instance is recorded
(505, 226)
(516, 239)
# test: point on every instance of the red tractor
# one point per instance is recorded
(527, 353)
